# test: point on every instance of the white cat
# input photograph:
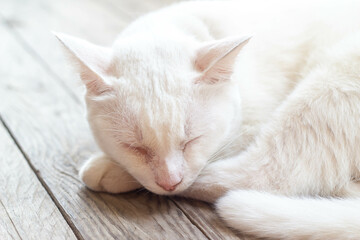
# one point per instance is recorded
(182, 105)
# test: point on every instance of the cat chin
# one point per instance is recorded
(167, 193)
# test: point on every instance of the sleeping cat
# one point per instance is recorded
(186, 103)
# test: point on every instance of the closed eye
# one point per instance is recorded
(137, 149)
(188, 143)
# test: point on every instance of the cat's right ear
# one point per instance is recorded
(215, 60)
(91, 61)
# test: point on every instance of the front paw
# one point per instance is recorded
(102, 174)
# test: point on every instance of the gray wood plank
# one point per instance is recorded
(114, 15)
(34, 20)
(50, 127)
(24, 202)
(202, 214)
(7, 227)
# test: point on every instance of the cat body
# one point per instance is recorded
(184, 103)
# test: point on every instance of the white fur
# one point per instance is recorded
(101, 174)
(184, 107)
(268, 215)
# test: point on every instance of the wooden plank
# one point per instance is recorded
(51, 129)
(202, 214)
(24, 202)
(48, 50)
(7, 228)
(80, 18)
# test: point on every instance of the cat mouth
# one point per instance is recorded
(174, 190)
(169, 187)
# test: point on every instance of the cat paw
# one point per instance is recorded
(102, 174)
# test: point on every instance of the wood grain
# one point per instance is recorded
(26, 209)
(50, 127)
(202, 214)
(7, 228)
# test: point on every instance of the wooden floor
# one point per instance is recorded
(44, 137)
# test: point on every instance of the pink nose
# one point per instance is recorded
(169, 185)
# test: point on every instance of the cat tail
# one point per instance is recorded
(273, 216)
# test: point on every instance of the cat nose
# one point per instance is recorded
(170, 184)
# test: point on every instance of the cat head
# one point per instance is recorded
(159, 108)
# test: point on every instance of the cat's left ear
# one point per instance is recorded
(91, 61)
(215, 60)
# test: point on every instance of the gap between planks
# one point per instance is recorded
(193, 221)
(42, 182)
(7, 214)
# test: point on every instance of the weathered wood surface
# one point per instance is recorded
(26, 209)
(7, 228)
(43, 112)
(202, 214)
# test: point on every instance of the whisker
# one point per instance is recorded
(220, 151)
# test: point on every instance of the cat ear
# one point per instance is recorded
(91, 61)
(216, 59)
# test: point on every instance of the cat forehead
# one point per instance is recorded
(152, 51)
(146, 75)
